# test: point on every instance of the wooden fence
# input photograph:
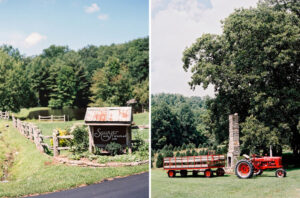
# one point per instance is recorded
(33, 133)
(4, 115)
(52, 118)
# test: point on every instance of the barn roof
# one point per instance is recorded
(108, 115)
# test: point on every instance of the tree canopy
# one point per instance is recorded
(254, 67)
(61, 77)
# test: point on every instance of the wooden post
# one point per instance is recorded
(55, 143)
(51, 118)
(91, 139)
(128, 139)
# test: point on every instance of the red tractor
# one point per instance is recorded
(248, 167)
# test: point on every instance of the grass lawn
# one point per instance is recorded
(229, 186)
(33, 172)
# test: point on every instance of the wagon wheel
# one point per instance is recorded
(183, 173)
(171, 173)
(244, 169)
(257, 172)
(220, 172)
(195, 173)
(280, 172)
(208, 173)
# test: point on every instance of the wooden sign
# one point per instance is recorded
(106, 134)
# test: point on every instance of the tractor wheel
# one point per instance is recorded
(244, 169)
(220, 172)
(280, 172)
(208, 173)
(183, 173)
(257, 172)
(171, 173)
(195, 173)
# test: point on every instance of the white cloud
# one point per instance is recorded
(103, 17)
(176, 27)
(92, 8)
(33, 39)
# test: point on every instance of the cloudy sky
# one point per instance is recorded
(175, 25)
(32, 25)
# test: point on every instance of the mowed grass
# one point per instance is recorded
(33, 172)
(229, 186)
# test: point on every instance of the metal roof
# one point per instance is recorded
(108, 115)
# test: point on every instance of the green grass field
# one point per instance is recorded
(33, 172)
(229, 186)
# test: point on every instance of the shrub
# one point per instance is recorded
(188, 153)
(80, 142)
(165, 148)
(160, 161)
(170, 147)
(194, 153)
(183, 147)
(168, 154)
(137, 143)
(62, 142)
(178, 154)
(114, 148)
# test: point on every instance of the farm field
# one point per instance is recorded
(229, 186)
(31, 172)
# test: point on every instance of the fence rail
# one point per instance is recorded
(52, 118)
(4, 115)
(33, 133)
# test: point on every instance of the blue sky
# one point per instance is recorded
(32, 25)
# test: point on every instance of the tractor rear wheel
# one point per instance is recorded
(171, 173)
(257, 172)
(220, 172)
(208, 173)
(280, 172)
(244, 169)
(183, 173)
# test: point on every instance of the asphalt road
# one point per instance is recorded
(136, 186)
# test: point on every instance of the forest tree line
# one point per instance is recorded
(60, 77)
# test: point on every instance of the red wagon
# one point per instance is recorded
(209, 164)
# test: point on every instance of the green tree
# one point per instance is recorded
(160, 161)
(165, 127)
(254, 67)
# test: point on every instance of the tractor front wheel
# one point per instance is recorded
(280, 172)
(171, 173)
(220, 172)
(244, 169)
(208, 173)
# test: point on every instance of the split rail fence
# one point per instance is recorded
(52, 118)
(4, 115)
(33, 133)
